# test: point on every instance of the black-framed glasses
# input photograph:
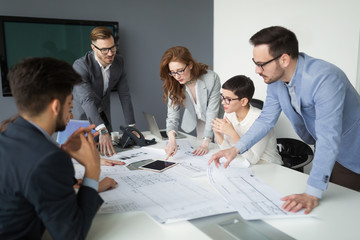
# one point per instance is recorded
(228, 100)
(261, 65)
(181, 72)
(106, 50)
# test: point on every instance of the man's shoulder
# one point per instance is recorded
(86, 60)
(22, 135)
(315, 65)
(315, 71)
(86, 64)
(27, 148)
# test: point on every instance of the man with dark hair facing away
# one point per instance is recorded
(36, 176)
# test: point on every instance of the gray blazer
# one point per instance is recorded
(209, 98)
(89, 100)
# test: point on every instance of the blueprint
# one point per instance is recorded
(165, 196)
(175, 195)
(251, 197)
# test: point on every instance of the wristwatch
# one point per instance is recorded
(103, 131)
(207, 139)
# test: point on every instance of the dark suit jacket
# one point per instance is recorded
(36, 188)
(89, 99)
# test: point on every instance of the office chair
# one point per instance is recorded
(257, 103)
(295, 154)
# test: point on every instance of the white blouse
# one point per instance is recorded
(197, 105)
(264, 150)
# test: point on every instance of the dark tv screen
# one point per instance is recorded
(22, 37)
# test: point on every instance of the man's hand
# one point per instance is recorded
(296, 202)
(106, 147)
(84, 150)
(229, 154)
(108, 162)
(78, 183)
(106, 184)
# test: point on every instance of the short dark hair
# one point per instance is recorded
(241, 86)
(279, 39)
(35, 82)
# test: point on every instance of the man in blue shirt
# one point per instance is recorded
(321, 104)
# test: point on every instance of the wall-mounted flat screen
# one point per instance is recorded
(22, 37)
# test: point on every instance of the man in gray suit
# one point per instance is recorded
(101, 70)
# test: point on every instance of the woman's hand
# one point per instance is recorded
(224, 126)
(170, 149)
(203, 149)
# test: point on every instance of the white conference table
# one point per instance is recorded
(337, 216)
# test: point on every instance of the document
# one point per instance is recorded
(251, 197)
(167, 197)
(135, 155)
(190, 165)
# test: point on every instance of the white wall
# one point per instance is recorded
(326, 29)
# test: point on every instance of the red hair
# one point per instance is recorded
(172, 88)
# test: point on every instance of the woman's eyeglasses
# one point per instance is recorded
(228, 100)
(181, 72)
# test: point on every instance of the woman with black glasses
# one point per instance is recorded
(189, 84)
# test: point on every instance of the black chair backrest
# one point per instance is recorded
(294, 153)
(257, 103)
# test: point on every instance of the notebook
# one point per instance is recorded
(71, 127)
(154, 129)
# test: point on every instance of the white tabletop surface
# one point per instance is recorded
(337, 216)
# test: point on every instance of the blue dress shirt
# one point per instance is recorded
(327, 112)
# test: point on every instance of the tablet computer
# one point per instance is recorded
(158, 165)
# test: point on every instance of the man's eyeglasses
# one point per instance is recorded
(227, 100)
(261, 65)
(181, 72)
(106, 50)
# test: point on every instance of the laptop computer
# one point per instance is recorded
(154, 129)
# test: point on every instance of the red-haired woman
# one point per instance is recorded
(189, 84)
